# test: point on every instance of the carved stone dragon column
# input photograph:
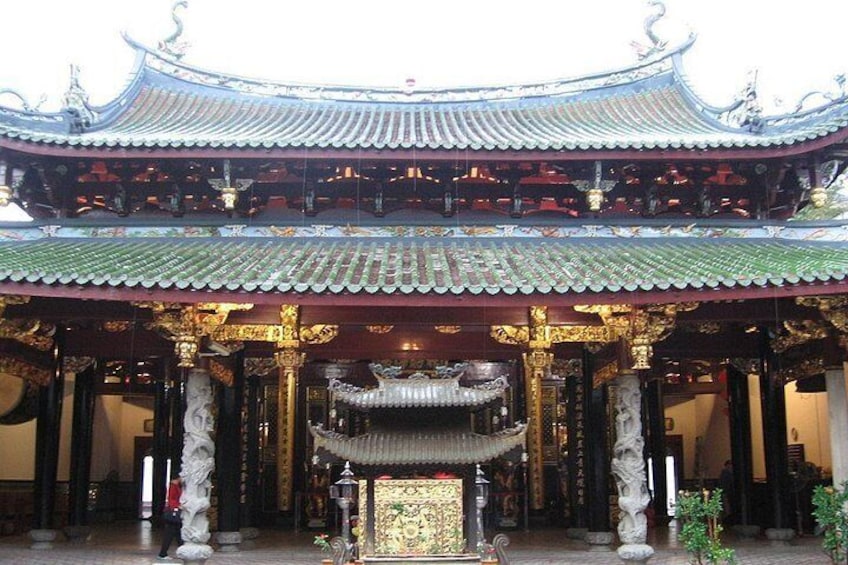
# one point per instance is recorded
(628, 468)
(198, 462)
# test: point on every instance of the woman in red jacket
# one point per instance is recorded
(171, 519)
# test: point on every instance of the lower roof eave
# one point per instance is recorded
(632, 154)
(124, 294)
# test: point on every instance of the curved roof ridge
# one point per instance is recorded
(160, 62)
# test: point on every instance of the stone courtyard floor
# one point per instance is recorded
(137, 544)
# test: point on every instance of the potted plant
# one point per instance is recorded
(488, 556)
(699, 514)
(323, 542)
(832, 517)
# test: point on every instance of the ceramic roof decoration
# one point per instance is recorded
(648, 106)
(419, 445)
(417, 393)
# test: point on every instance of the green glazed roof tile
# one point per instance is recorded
(347, 266)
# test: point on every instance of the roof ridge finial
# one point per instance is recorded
(170, 45)
(75, 102)
(657, 45)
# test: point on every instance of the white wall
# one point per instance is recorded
(758, 454)
(116, 424)
(806, 414)
(705, 417)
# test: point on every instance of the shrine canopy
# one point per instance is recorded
(419, 421)
(639, 111)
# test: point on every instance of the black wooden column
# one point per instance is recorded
(774, 435)
(81, 442)
(250, 508)
(161, 425)
(578, 408)
(657, 448)
(47, 433)
(177, 407)
(740, 445)
(597, 456)
(228, 448)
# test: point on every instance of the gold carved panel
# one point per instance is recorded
(418, 516)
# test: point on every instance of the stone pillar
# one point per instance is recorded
(837, 411)
(657, 448)
(229, 452)
(775, 443)
(83, 429)
(161, 421)
(198, 462)
(47, 433)
(599, 535)
(628, 468)
(741, 452)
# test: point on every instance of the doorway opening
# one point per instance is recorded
(670, 483)
(146, 505)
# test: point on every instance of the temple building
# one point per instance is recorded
(206, 267)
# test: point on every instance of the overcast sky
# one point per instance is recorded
(797, 46)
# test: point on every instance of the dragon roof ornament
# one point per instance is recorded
(171, 45)
(75, 103)
(657, 45)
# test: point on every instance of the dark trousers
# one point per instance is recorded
(170, 530)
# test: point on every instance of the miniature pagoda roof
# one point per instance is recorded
(419, 447)
(565, 261)
(172, 105)
(418, 392)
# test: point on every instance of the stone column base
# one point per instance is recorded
(42, 539)
(228, 542)
(599, 541)
(194, 552)
(249, 533)
(746, 531)
(77, 534)
(576, 533)
(780, 536)
(635, 552)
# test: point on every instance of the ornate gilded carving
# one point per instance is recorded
(25, 370)
(449, 330)
(798, 333)
(186, 324)
(11, 300)
(260, 366)
(418, 517)
(806, 368)
(116, 326)
(29, 332)
(76, 365)
(379, 329)
(510, 335)
(220, 372)
(605, 374)
(834, 309)
(318, 334)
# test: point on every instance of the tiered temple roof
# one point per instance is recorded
(645, 107)
(419, 421)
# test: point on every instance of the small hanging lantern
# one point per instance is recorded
(818, 197)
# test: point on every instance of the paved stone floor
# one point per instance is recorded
(137, 544)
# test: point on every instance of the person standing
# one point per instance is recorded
(725, 482)
(171, 517)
